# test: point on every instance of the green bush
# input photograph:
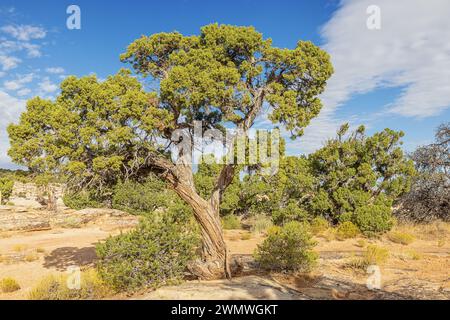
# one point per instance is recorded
(319, 225)
(231, 222)
(155, 253)
(81, 200)
(346, 230)
(54, 287)
(137, 198)
(6, 188)
(292, 212)
(9, 285)
(287, 248)
(373, 219)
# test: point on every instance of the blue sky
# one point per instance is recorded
(397, 76)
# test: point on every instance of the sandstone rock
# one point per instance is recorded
(23, 220)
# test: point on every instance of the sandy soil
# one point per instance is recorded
(420, 270)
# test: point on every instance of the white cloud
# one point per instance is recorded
(24, 32)
(47, 86)
(8, 62)
(23, 92)
(10, 109)
(410, 51)
(55, 70)
(18, 83)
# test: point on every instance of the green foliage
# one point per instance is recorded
(346, 230)
(319, 225)
(54, 287)
(292, 212)
(9, 285)
(97, 133)
(287, 248)
(137, 198)
(6, 188)
(155, 253)
(373, 218)
(81, 200)
(231, 222)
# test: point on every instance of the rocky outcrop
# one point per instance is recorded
(21, 219)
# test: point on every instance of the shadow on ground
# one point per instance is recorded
(62, 258)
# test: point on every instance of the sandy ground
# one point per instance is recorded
(420, 270)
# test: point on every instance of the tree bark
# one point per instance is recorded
(215, 260)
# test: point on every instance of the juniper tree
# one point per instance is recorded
(98, 132)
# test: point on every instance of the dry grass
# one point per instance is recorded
(30, 257)
(55, 287)
(9, 285)
(373, 255)
(401, 237)
(19, 247)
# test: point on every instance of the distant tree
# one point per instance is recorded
(6, 189)
(100, 132)
(429, 197)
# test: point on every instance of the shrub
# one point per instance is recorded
(373, 218)
(287, 248)
(246, 236)
(231, 222)
(6, 188)
(30, 257)
(19, 247)
(155, 253)
(373, 255)
(260, 224)
(376, 255)
(319, 225)
(138, 198)
(9, 285)
(71, 222)
(81, 200)
(54, 287)
(346, 230)
(292, 212)
(401, 237)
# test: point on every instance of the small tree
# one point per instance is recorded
(429, 197)
(98, 132)
(6, 189)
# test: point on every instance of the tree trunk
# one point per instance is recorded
(214, 263)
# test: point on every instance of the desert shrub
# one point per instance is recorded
(81, 200)
(71, 222)
(155, 253)
(31, 256)
(55, 287)
(292, 212)
(376, 255)
(260, 224)
(9, 285)
(138, 198)
(246, 236)
(346, 230)
(373, 255)
(230, 222)
(401, 237)
(6, 188)
(319, 225)
(373, 219)
(19, 247)
(287, 248)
